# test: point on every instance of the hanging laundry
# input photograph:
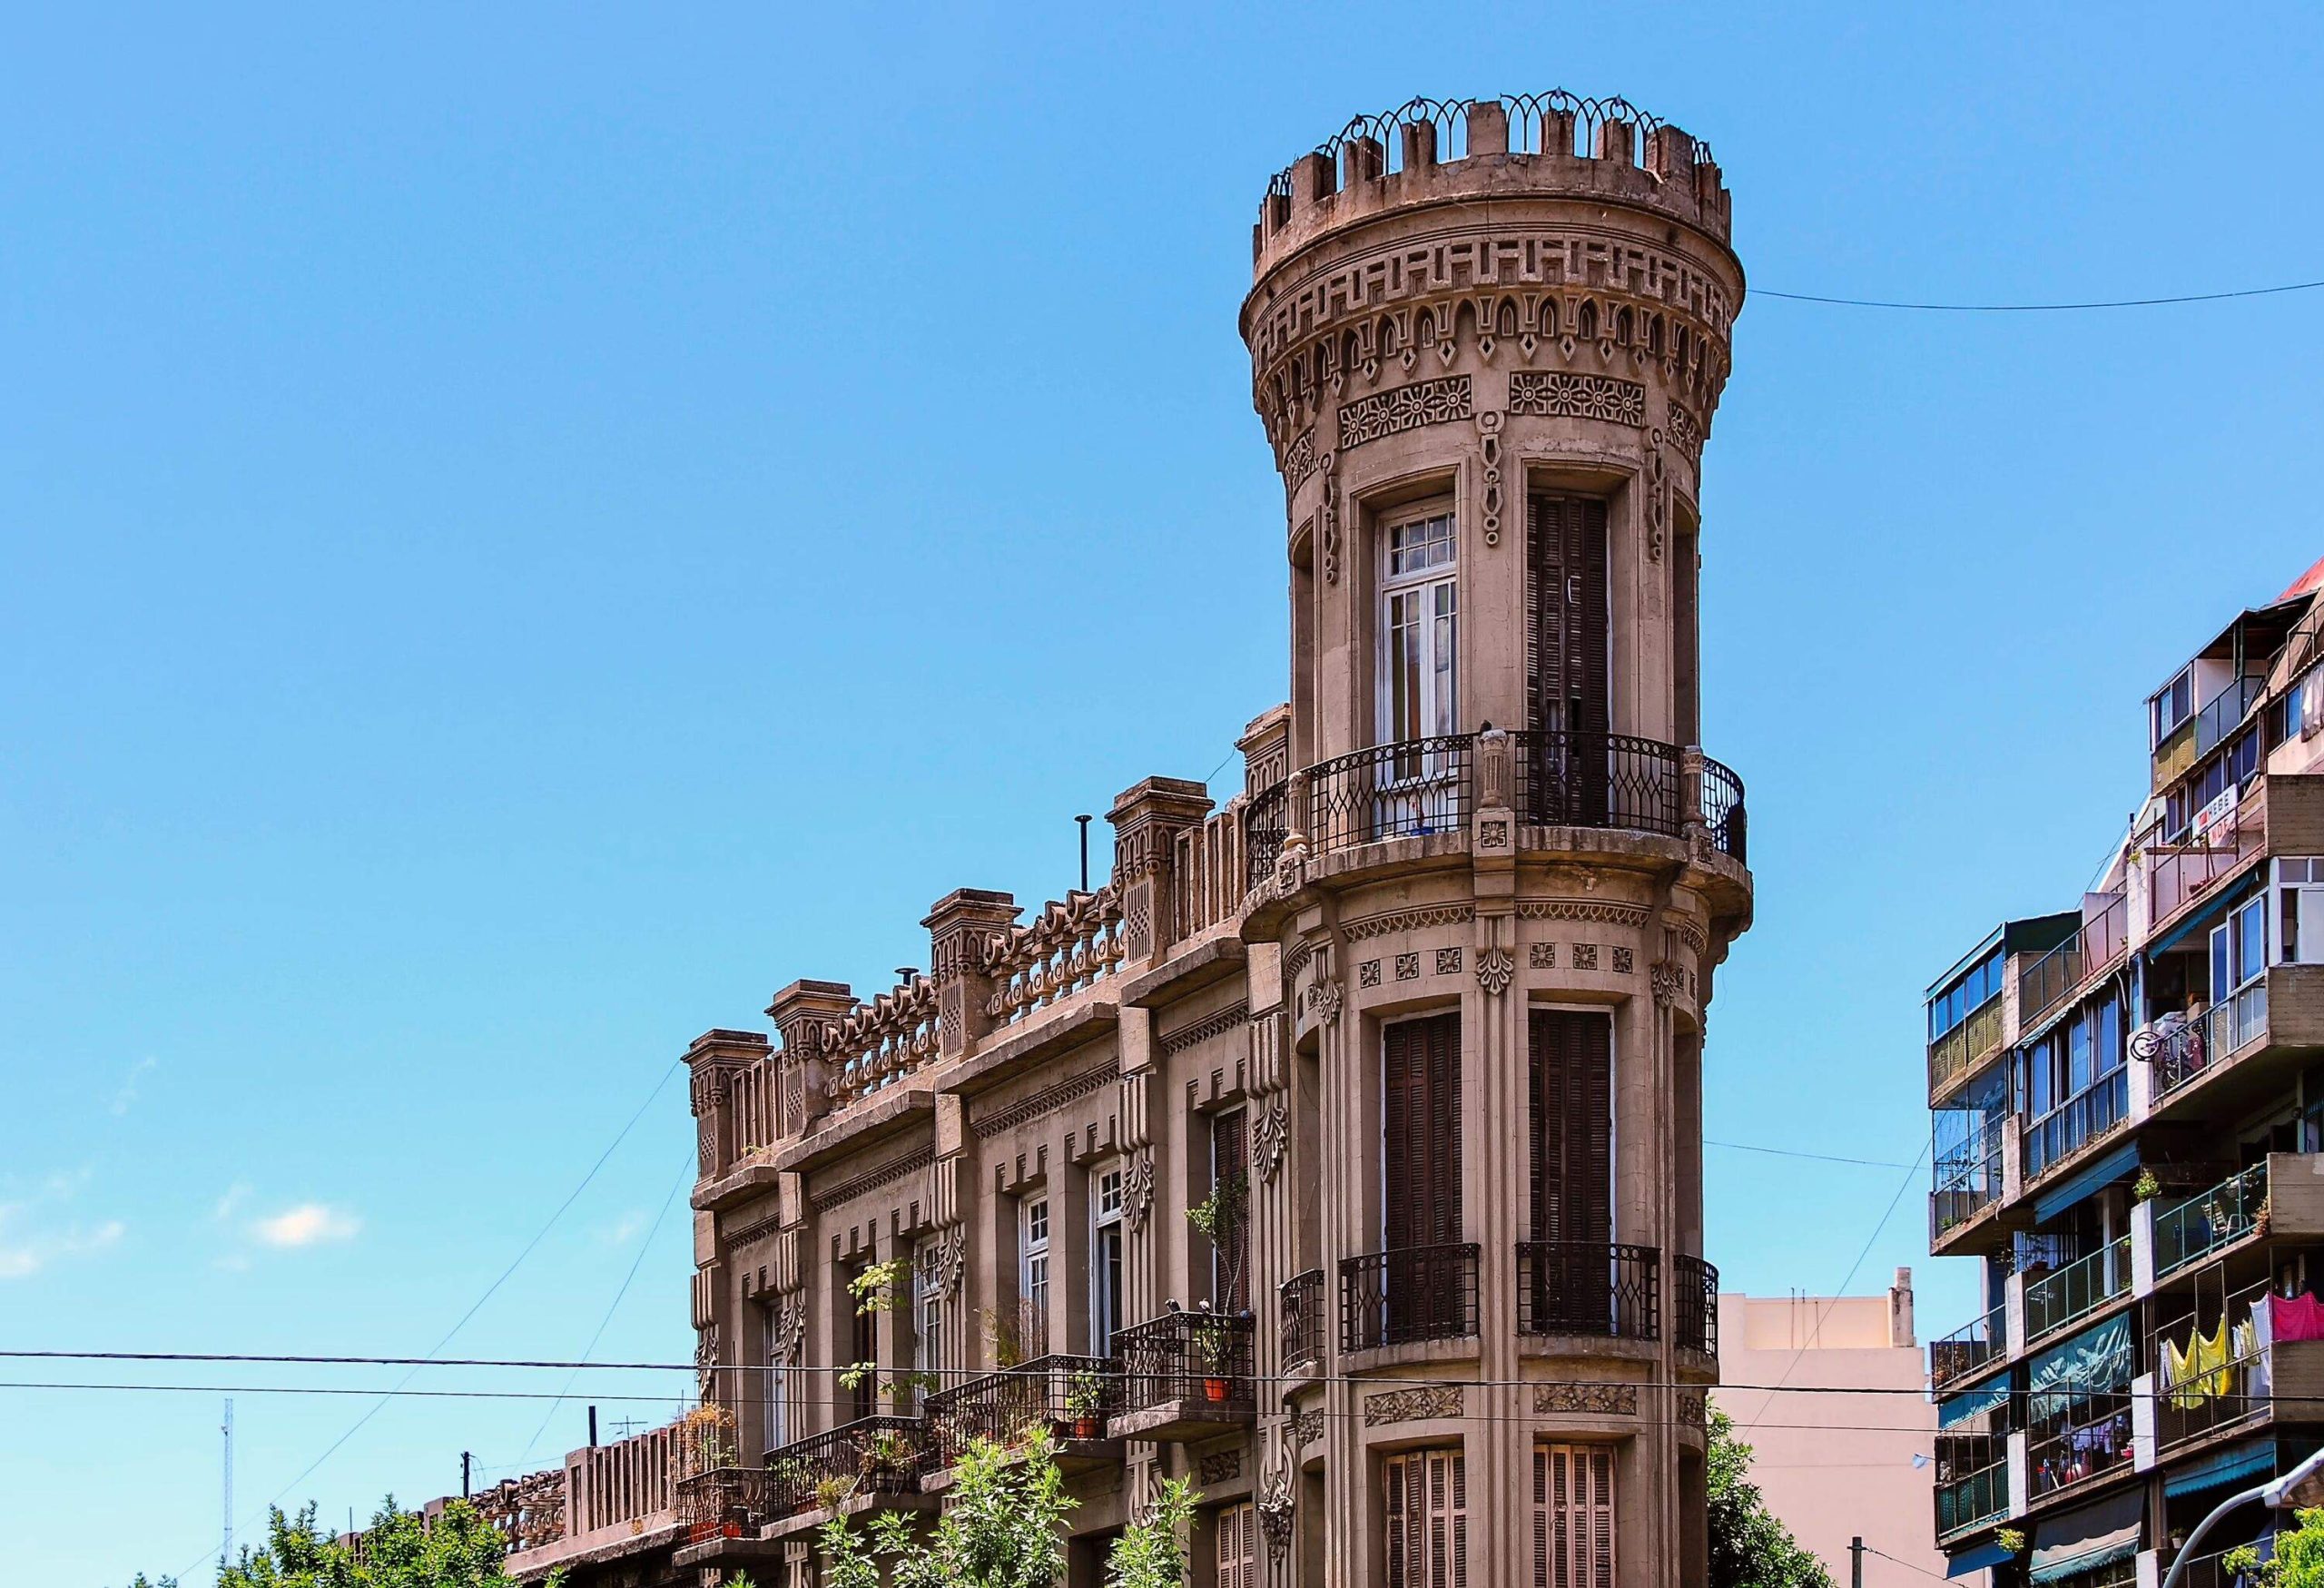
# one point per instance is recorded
(2296, 1317)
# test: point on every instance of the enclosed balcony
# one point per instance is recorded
(1408, 1297)
(2047, 983)
(1592, 1288)
(1184, 1376)
(1972, 1484)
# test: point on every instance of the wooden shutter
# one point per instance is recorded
(1237, 1530)
(1569, 1090)
(1565, 609)
(1566, 632)
(1421, 1121)
(1230, 1273)
(1573, 1517)
(1427, 1511)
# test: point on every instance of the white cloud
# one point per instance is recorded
(308, 1224)
(231, 1202)
(124, 1098)
(622, 1230)
(25, 1252)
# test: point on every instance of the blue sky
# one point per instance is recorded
(526, 531)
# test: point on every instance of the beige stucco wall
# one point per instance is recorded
(1837, 1465)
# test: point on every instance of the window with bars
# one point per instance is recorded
(1427, 1514)
(1236, 1531)
(1573, 1515)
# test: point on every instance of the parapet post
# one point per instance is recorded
(806, 1013)
(713, 1062)
(962, 929)
(1147, 817)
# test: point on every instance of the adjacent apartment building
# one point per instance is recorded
(1851, 1457)
(2128, 1119)
(1420, 1004)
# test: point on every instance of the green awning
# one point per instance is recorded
(2084, 1540)
(2222, 1467)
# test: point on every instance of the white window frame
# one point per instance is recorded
(1107, 1196)
(2298, 933)
(775, 1393)
(1033, 1268)
(1426, 598)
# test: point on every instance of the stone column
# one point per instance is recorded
(1147, 817)
(962, 928)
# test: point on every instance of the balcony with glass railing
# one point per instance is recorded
(2211, 1221)
(1966, 1047)
(1965, 1180)
(2059, 1300)
(2083, 1119)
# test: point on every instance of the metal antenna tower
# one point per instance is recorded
(226, 1523)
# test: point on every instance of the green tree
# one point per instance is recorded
(1003, 1527)
(459, 1549)
(2297, 1560)
(1151, 1553)
(1749, 1547)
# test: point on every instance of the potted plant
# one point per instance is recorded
(2146, 1188)
(887, 1454)
(1085, 1404)
(832, 1491)
(1219, 1216)
(1213, 1348)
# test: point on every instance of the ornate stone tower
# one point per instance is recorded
(1487, 339)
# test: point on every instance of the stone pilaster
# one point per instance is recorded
(1146, 818)
(806, 1013)
(962, 929)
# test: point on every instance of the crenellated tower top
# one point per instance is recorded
(1435, 151)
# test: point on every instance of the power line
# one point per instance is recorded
(2036, 308)
(1908, 1565)
(1871, 1241)
(685, 1172)
(660, 1081)
(1818, 1157)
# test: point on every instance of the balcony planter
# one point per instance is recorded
(1214, 1389)
(1088, 1427)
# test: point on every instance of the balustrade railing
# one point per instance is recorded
(876, 1455)
(1589, 1287)
(528, 1512)
(1074, 944)
(1694, 1304)
(1401, 1297)
(1265, 821)
(1302, 1300)
(1186, 1356)
(2090, 1115)
(881, 1043)
(2181, 1052)
(2098, 943)
(2059, 1300)
(628, 1479)
(1070, 1398)
(2211, 1219)
(1967, 1350)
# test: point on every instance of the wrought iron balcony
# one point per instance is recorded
(1420, 786)
(1182, 1373)
(1694, 1304)
(874, 1455)
(730, 1501)
(1589, 1287)
(1264, 824)
(1069, 1397)
(1403, 1298)
(1301, 1298)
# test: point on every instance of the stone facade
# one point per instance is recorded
(1343, 991)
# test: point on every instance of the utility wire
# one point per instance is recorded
(1911, 1174)
(2036, 308)
(1908, 1565)
(1817, 1157)
(538, 1236)
(685, 1171)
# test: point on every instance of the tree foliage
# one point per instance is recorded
(2297, 1560)
(1151, 1553)
(1749, 1548)
(459, 1549)
(1003, 1527)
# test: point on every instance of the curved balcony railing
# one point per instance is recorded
(1401, 1297)
(1302, 1299)
(1609, 781)
(1694, 1304)
(1589, 1287)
